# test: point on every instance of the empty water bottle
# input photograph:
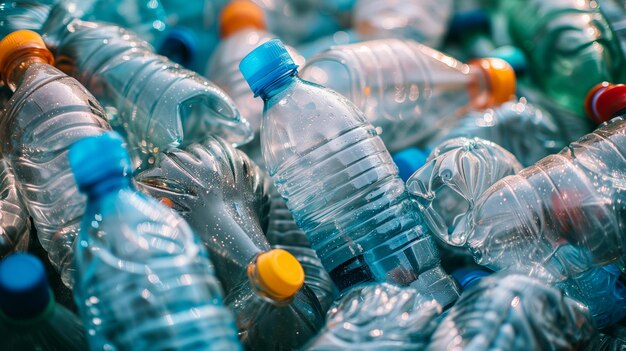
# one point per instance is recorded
(425, 21)
(46, 114)
(504, 124)
(379, 317)
(157, 103)
(243, 29)
(223, 196)
(30, 319)
(408, 89)
(340, 37)
(566, 41)
(513, 312)
(14, 218)
(339, 181)
(144, 282)
(457, 173)
(23, 14)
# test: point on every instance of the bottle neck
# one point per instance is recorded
(279, 84)
(18, 63)
(106, 186)
(261, 290)
(26, 322)
(479, 88)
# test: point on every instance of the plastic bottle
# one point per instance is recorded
(425, 21)
(156, 103)
(502, 125)
(563, 215)
(468, 277)
(409, 90)
(339, 181)
(513, 312)
(30, 319)
(340, 37)
(144, 282)
(242, 28)
(46, 114)
(23, 14)
(613, 339)
(222, 195)
(566, 41)
(379, 317)
(457, 173)
(15, 222)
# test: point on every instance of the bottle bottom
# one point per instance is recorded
(350, 273)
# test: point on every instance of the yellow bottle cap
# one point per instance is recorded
(23, 40)
(240, 14)
(280, 273)
(501, 78)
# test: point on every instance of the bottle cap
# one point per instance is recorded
(501, 77)
(240, 14)
(469, 276)
(181, 44)
(513, 56)
(470, 20)
(96, 158)
(280, 273)
(605, 100)
(265, 64)
(409, 161)
(23, 40)
(24, 290)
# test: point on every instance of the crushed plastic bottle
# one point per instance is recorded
(513, 312)
(379, 317)
(144, 282)
(223, 196)
(46, 114)
(425, 21)
(457, 173)
(339, 181)
(15, 222)
(30, 319)
(179, 107)
(410, 90)
(23, 14)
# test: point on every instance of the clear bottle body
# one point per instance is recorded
(23, 14)
(15, 228)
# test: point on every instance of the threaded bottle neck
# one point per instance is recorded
(17, 63)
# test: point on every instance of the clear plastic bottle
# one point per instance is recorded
(242, 28)
(46, 114)
(408, 89)
(566, 41)
(513, 312)
(30, 319)
(613, 339)
(379, 317)
(144, 282)
(502, 125)
(457, 173)
(23, 14)
(425, 21)
(339, 181)
(15, 222)
(224, 197)
(155, 102)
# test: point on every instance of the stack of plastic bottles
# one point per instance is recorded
(313, 175)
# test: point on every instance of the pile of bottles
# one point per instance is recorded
(313, 175)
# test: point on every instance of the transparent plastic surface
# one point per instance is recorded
(456, 174)
(48, 112)
(565, 41)
(564, 214)
(155, 102)
(282, 228)
(527, 131)
(57, 329)
(145, 282)
(409, 90)
(425, 21)
(225, 198)
(14, 218)
(343, 189)
(379, 317)
(613, 339)
(513, 312)
(23, 14)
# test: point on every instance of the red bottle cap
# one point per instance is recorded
(605, 100)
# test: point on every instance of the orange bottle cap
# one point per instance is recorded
(240, 14)
(501, 77)
(23, 40)
(280, 273)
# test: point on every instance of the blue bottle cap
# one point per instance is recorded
(469, 276)
(24, 290)
(98, 158)
(465, 21)
(180, 44)
(513, 55)
(265, 64)
(409, 161)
